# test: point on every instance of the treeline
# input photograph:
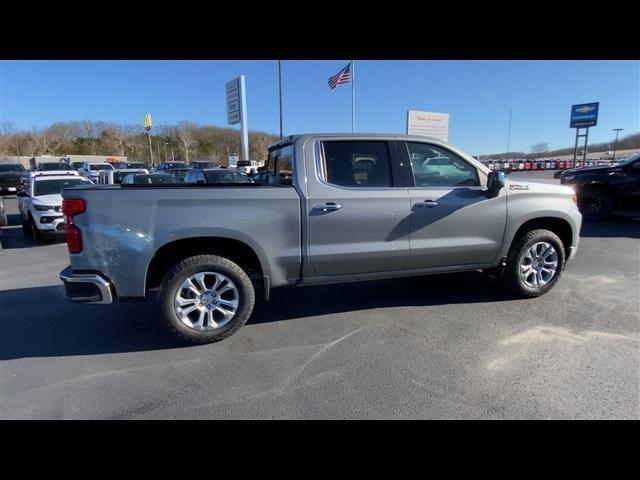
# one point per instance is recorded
(624, 143)
(185, 141)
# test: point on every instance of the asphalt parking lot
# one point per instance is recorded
(445, 346)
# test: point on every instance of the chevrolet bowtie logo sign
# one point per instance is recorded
(585, 109)
(584, 115)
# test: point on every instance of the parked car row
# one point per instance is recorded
(215, 175)
(513, 165)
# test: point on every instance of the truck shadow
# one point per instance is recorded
(615, 226)
(38, 322)
(300, 302)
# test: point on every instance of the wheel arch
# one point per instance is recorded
(558, 225)
(235, 250)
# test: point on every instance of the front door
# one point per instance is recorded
(452, 220)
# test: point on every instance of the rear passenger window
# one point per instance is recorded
(357, 163)
(280, 166)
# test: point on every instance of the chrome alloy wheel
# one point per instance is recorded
(539, 265)
(206, 301)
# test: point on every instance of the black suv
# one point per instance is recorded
(602, 190)
(13, 178)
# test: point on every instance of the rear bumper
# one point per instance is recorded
(86, 287)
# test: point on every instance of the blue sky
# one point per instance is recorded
(477, 94)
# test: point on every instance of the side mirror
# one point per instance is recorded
(495, 182)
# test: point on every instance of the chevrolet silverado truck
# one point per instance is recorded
(333, 208)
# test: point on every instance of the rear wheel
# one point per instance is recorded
(534, 263)
(595, 204)
(205, 298)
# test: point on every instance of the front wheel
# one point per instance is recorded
(534, 263)
(205, 298)
(595, 205)
(36, 236)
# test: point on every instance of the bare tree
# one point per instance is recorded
(118, 136)
(7, 131)
(186, 137)
(541, 147)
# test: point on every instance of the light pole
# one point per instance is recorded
(509, 134)
(615, 144)
(280, 93)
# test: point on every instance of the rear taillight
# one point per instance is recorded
(574, 199)
(70, 208)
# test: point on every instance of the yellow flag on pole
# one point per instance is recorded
(147, 121)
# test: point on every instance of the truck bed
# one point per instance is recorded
(124, 226)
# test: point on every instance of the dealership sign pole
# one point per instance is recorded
(237, 111)
(147, 127)
(583, 115)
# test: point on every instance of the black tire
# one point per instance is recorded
(36, 236)
(595, 204)
(26, 227)
(512, 280)
(190, 266)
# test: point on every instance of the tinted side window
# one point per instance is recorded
(434, 166)
(280, 166)
(357, 163)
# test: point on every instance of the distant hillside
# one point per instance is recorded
(624, 143)
(185, 141)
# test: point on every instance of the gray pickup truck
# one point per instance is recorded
(334, 208)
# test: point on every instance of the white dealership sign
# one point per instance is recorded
(428, 124)
(234, 112)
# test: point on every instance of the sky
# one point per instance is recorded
(478, 95)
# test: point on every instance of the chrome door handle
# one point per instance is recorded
(427, 204)
(328, 207)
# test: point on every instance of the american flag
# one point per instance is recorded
(343, 76)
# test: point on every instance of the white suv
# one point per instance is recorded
(40, 204)
(91, 170)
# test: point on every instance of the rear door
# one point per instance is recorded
(452, 220)
(358, 208)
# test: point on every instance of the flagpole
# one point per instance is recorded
(353, 97)
(280, 93)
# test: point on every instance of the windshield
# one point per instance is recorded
(46, 167)
(135, 165)
(179, 174)
(101, 166)
(216, 176)
(51, 187)
(11, 168)
(173, 165)
(629, 160)
(153, 179)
